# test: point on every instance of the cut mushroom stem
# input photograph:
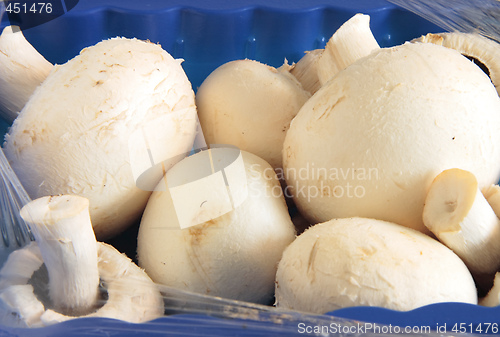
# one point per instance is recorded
(306, 70)
(352, 41)
(459, 215)
(22, 69)
(64, 234)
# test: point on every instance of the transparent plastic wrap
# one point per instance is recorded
(211, 221)
(462, 16)
(60, 285)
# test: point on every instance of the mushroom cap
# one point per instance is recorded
(372, 139)
(232, 253)
(80, 133)
(250, 105)
(365, 262)
(471, 45)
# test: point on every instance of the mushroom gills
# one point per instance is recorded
(67, 274)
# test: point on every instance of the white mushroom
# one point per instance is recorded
(105, 126)
(76, 264)
(366, 262)
(22, 69)
(217, 225)
(393, 121)
(459, 215)
(248, 104)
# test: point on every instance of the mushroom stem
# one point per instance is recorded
(459, 215)
(306, 70)
(22, 69)
(352, 41)
(63, 231)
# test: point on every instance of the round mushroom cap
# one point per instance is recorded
(250, 105)
(89, 128)
(366, 262)
(227, 248)
(372, 139)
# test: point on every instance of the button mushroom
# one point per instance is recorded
(76, 265)
(248, 104)
(215, 227)
(102, 122)
(22, 69)
(372, 139)
(366, 262)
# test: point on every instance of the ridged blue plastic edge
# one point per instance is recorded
(267, 31)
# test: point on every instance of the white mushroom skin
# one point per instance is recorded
(22, 69)
(472, 45)
(81, 131)
(459, 215)
(248, 104)
(366, 262)
(233, 255)
(393, 121)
